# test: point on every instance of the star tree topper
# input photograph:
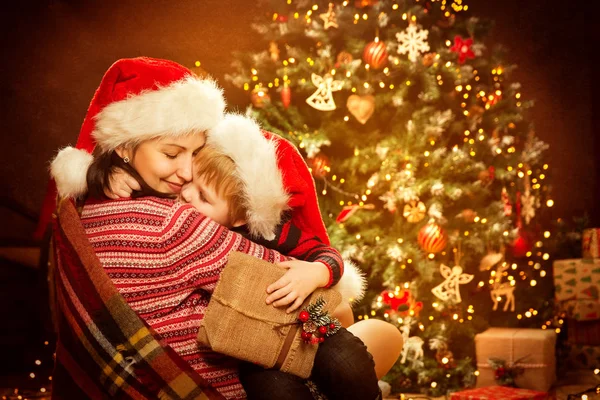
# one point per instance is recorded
(413, 41)
(322, 98)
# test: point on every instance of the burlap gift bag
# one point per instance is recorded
(240, 324)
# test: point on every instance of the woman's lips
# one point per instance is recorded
(174, 187)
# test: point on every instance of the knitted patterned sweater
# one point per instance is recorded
(165, 258)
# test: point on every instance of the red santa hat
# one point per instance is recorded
(138, 99)
(276, 178)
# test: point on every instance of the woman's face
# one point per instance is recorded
(165, 164)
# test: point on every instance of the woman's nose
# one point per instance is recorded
(185, 169)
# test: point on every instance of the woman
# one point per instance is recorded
(149, 117)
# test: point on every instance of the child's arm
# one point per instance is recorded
(293, 242)
(319, 265)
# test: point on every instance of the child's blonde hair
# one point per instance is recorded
(219, 171)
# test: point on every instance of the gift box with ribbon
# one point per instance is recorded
(590, 243)
(576, 279)
(580, 310)
(498, 393)
(529, 350)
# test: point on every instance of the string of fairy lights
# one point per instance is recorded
(466, 91)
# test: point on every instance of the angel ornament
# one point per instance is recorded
(322, 98)
(449, 290)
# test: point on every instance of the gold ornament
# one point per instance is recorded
(259, 97)
(329, 18)
(414, 212)
(361, 107)
(343, 58)
(322, 98)
(468, 215)
(428, 59)
(274, 51)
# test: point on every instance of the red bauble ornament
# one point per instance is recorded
(432, 238)
(304, 316)
(286, 95)
(375, 54)
(319, 165)
(322, 330)
(305, 335)
(282, 18)
(332, 326)
(522, 244)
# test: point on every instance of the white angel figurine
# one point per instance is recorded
(322, 99)
(449, 290)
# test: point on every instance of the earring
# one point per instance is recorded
(126, 160)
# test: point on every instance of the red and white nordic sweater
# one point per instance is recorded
(165, 258)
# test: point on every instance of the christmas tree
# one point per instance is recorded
(429, 171)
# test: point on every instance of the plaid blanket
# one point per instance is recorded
(104, 349)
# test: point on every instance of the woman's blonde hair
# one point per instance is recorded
(220, 171)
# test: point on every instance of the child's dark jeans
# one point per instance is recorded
(343, 369)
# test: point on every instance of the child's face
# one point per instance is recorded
(206, 200)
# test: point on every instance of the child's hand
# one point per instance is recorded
(300, 280)
(122, 185)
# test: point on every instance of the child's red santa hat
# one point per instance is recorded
(276, 178)
(138, 99)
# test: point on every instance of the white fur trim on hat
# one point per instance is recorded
(255, 157)
(191, 104)
(353, 284)
(69, 170)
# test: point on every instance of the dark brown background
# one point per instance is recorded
(55, 53)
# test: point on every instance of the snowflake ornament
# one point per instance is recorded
(528, 210)
(395, 253)
(413, 41)
(390, 201)
(383, 19)
(437, 189)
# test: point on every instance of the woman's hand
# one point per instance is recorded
(300, 280)
(121, 184)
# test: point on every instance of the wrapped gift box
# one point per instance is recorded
(583, 332)
(498, 393)
(532, 348)
(581, 310)
(582, 356)
(590, 243)
(576, 279)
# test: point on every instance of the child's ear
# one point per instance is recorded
(238, 223)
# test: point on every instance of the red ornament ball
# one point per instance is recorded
(432, 238)
(375, 54)
(305, 335)
(332, 326)
(522, 244)
(304, 316)
(319, 165)
(321, 339)
(322, 330)
(286, 96)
